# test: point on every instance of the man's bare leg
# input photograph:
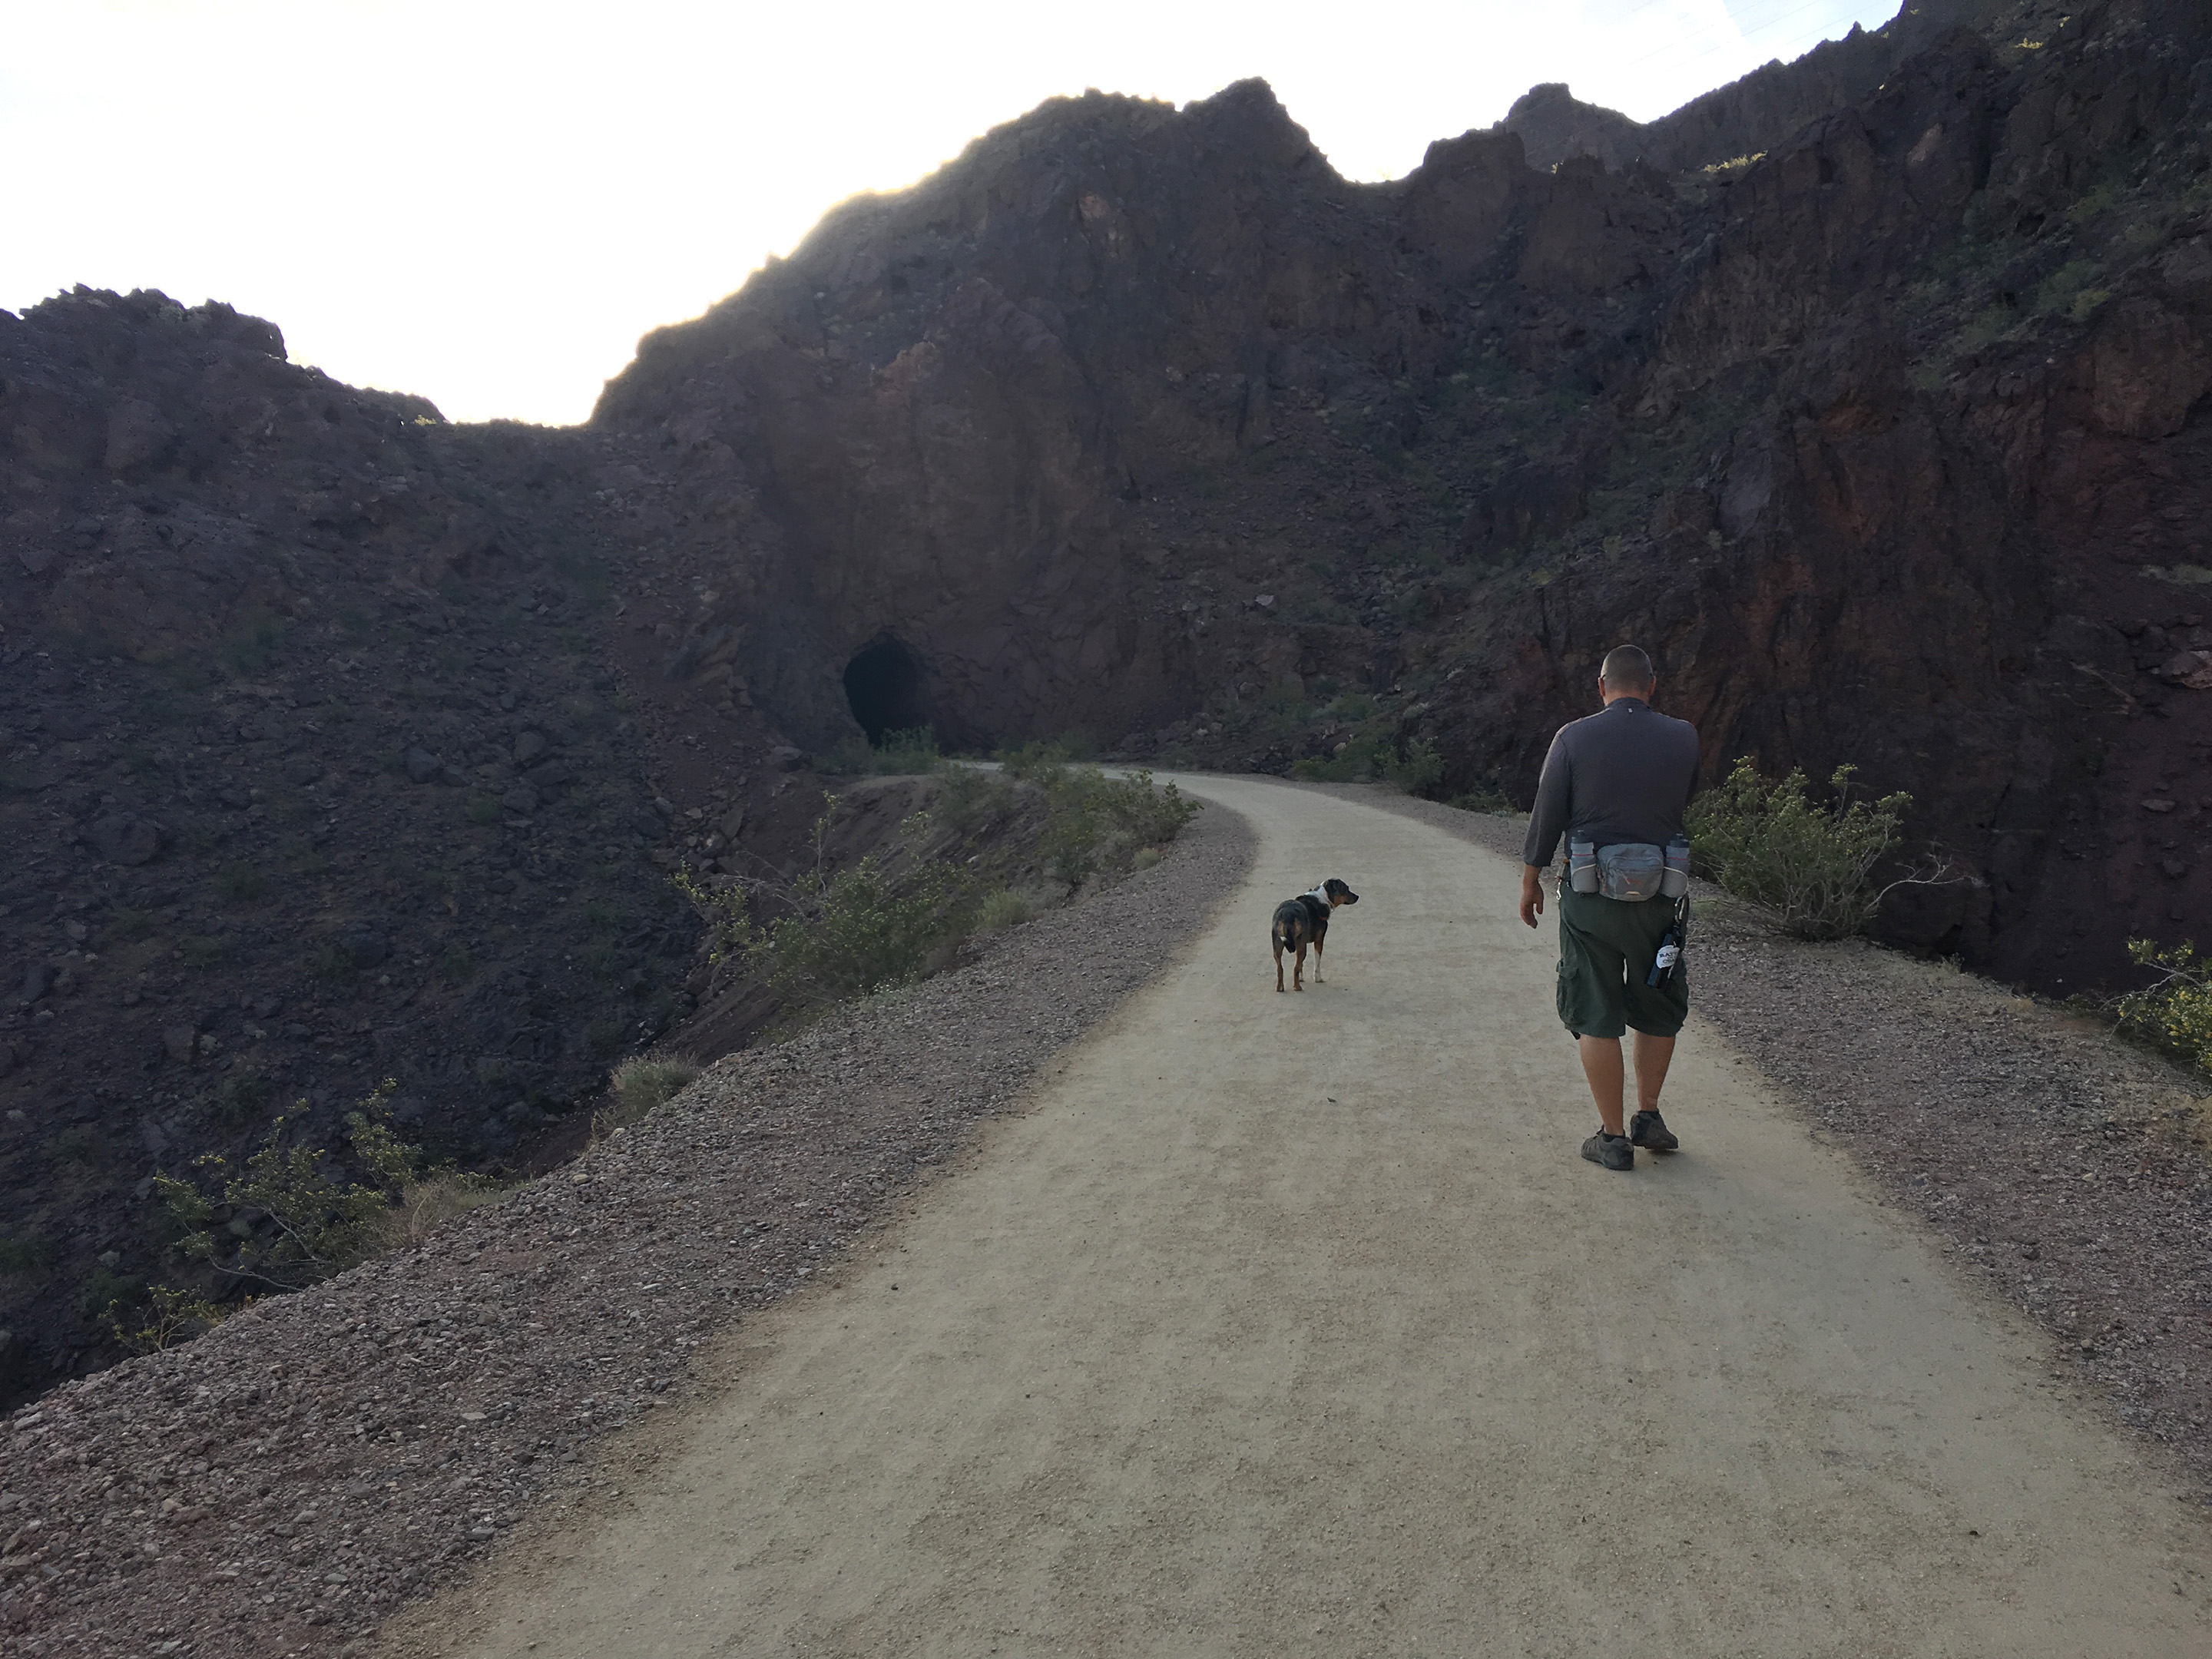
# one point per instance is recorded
(1652, 1055)
(1601, 1066)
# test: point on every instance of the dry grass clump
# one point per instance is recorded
(425, 1206)
(640, 1085)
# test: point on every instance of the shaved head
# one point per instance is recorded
(1626, 669)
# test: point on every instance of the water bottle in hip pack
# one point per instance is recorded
(1582, 867)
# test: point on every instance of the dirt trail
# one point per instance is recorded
(1293, 1325)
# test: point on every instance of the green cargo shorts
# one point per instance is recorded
(1607, 948)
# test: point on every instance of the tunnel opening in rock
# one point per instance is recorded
(884, 689)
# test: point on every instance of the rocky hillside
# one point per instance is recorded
(1876, 409)
(342, 743)
(335, 745)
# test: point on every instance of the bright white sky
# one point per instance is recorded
(487, 201)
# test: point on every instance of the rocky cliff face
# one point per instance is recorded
(1141, 420)
(342, 743)
(335, 745)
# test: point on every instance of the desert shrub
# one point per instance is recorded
(24, 1255)
(1486, 798)
(205, 950)
(1145, 858)
(1813, 865)
(1095, 823)
(481, 810)
(970, 798)
(167, 1316)
(106, 1293)
(895, 752)
(638, 1086)
(1003, 908)
(858, 931)
(317, 1224)
(455, 964)
(2174, 1014)
(241, 1095)
(1416, 768)
(2056, 292)
(842, 933)
(77, 1145)
(1037, 757)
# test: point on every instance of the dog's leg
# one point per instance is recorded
(1317, 945)
(1298, 973)
(1279, 963)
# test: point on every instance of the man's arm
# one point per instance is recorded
(1547, 822)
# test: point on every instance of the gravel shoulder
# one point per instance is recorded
(280, 1486)
(2070, 1171)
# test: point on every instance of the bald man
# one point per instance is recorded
(1625, 774)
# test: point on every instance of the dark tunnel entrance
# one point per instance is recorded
(884, 687)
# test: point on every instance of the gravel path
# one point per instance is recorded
(2069, 1168)
(1292, 1324)
(282, 1485)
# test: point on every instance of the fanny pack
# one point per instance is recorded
(1631, 872)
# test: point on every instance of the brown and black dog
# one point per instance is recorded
(1302, 921)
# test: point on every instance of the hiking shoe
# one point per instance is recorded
(1614, 1151)
(1648, 1130)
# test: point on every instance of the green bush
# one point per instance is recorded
(243, 1095)
(970, 798)
(77, 1145)
(317, 1224)
(2176, 1013)
(894, 753)
(1416, 768)
(841, 934)
(481, 810)
(1038, 755)
(167, 1317)
(23, 1255)
(106, 1293)
(1002, 909)
(858, 931)
(1095, 823)
(1811, 864)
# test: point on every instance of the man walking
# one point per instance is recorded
(1618, 779)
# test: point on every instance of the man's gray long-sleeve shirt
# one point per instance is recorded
(1623, 774)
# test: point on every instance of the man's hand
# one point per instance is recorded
(1532, 894)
